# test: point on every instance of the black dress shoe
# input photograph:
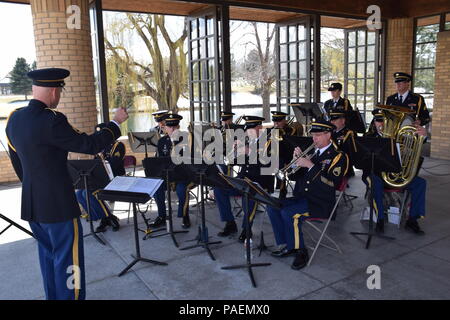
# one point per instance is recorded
(186, 222)
(159, 221)
(283, 253)
(301, 259)
(413, 225)
(379, 228)
(104, 223)
(243, 235)
(230, 228)
(114, 223)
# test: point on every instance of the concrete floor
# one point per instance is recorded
(412, 267)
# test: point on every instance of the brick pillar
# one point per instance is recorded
(440, 148)
(59, 46)
(399, 50)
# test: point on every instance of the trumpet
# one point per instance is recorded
(292, 167)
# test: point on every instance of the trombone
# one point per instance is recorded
(292, 167)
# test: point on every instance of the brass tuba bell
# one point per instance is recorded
(410, 144)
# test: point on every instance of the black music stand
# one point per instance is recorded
(378, 154)
(88, 175)
(307, 111)
(356, 122)
(143, 142)
(164, 168)
(250, 190)
(131, 197)
(204, 175)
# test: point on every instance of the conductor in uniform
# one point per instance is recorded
(39, 139)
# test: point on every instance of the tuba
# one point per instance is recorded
(410, 144)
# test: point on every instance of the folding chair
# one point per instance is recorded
(323, 231)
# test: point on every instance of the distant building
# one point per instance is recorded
(5, 88)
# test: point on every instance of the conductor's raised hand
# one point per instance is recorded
(121, 115)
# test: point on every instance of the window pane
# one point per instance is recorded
(292, 33)
(352, 38)
(351, 87)
(194, 29)
(201, 25)
(293, 51)
(351, 54)
(360, 86)
(195, 70)
(424, 80)
(210, 26)
(370, 83)
(370, 53)
(370, 70)
(427, 33)
(302, 88)
(302, 69)
(425, 55)
(283, 70)
(351, 70)
(361, 71)
(360, 101)
(283, 34)
(211, 69)
(302, 50)
(447, 21)
(371, 37)
(361, 38)
(194, 50)
(211, 47)
(293, 72)
(283, 88)
(361, 54)
(293, 88)
(301, 32)
(283, 52)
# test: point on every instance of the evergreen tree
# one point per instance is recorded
(20, 83)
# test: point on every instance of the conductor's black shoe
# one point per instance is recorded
(413, 225)
(301, 259)
(230, 228)
(159, 221)
(283, 253)
(104, 223)
(114, 223)
(186, 222)
(243, 235)
(380, 226)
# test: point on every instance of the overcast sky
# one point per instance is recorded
(16, 35)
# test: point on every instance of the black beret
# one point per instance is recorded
(50, 77)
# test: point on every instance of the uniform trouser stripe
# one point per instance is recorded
(101, 203)
(76, 263)
(296, 228)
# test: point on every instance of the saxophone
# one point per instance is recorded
(410, 145)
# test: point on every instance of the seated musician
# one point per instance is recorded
(285, 151)
(159, 117)
(404, 97)
(343, 137)
(253, 127)
(314, 193)
(165, 146)
(114, 154)
(417, 187)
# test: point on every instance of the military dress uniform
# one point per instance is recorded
(165, 146)
(344, 139)
(114, 154)
(417, 188)
(250, 171)
(412, 100)
(39, 140)
(340, 104)
(225, 116)
(313, 197)
(285, 150)
(159, 117)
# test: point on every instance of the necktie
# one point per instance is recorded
(401, 99)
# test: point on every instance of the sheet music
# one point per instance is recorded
(135, 184)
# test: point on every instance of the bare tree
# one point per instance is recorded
(164, 79)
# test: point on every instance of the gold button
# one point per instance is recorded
(306, 189)
(307, 182)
